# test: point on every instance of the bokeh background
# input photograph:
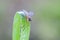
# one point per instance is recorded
(45, 23)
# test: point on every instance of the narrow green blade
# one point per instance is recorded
(21, 28)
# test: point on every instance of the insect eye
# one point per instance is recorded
(29, 19)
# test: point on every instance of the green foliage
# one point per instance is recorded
(21, 28)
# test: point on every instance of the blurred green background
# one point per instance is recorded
(45, 23)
